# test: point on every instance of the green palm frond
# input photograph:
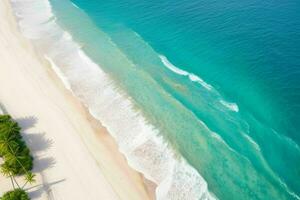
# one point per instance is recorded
(5, 170)
(30, 177)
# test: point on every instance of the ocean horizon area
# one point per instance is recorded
(202, 98)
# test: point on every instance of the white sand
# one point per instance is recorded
(75, 157)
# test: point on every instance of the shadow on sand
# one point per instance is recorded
(36, 191)
(38, 143)
(27, 122)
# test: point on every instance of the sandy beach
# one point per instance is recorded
(74, 156)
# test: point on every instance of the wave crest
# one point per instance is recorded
(191, 76)
(230, 106)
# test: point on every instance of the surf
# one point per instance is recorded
(179, 71)
(194, 78)
(138, 140)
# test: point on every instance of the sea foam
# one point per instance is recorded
(179, 71)
(230, 106)
(138, 140)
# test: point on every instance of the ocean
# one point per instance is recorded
(202, 97)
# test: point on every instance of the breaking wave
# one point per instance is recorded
(231, 106)
(191, 76)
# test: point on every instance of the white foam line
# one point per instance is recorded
(75, 5)
(256, 146)
(179, 71)
(230, 106)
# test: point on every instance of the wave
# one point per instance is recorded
(191, 76)
(138, 140)
(231, 106)
(220, 139)
(256, 146)
(75, 5)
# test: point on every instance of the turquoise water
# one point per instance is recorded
(220, 80)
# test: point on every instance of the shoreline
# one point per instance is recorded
(104, 159)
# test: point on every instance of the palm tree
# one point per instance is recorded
(11, 128)
(5, 118)
(8, 132)
(29, 178)
(11, 148)
(5, 170)
(13, 157)
(6, 140)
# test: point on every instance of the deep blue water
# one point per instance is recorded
(240, 127)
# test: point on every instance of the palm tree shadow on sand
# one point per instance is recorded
(35, 192)
(38, 144)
